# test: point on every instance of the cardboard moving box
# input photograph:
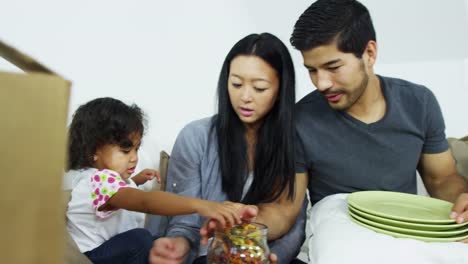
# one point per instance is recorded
(33, 109)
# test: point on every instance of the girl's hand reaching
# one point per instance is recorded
(247, 213)
(226, 213)
(146, 175)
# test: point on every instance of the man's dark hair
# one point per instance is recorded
(347, 22)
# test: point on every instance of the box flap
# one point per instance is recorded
(21, 60)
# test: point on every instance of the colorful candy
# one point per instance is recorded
(245, 243)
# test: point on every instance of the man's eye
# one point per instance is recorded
(126, 151)
(312, 70)
(333, 68)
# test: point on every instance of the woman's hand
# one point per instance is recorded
(146, 175)
(273, 258)
(169, 250)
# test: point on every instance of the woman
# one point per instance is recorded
(243, 154)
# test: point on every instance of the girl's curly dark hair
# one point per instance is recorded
(100, 122)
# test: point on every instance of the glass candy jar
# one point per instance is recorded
(245, 243)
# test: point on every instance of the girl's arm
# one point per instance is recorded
(279, 216)
(169, 204)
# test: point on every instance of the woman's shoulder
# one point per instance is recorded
(194, 137)
(196, 130)
(199, 126)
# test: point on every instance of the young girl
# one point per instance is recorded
(105, 135)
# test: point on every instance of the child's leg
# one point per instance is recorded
(132, 246)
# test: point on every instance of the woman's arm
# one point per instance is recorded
(288, 246)
(281, 215)
(184, 177)
(169, 250)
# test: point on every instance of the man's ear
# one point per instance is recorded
(370, 53)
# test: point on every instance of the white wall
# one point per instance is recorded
(166, 55)
(426, 41)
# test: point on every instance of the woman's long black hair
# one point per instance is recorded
(274, 150)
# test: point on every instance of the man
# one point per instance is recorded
(361, 131)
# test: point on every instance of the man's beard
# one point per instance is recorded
(354, 96)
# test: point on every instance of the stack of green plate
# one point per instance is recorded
(406, 216)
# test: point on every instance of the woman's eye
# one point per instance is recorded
(260, 89)
(236, 85)
(126, 151)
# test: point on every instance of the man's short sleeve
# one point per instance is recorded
(435, 139)
(299, 155)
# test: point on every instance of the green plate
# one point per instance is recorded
(408, 231)
(403, 224)
(403, 206)
(400, 235)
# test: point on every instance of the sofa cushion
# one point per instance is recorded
(73, 254)
(459, 149)
(157, 224)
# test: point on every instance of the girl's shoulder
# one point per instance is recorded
(106, 177)
(72, 178)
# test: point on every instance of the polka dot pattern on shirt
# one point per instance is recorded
(104, 184)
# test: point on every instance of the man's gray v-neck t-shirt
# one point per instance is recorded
(342, 154)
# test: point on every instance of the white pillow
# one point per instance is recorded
(336, 239)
